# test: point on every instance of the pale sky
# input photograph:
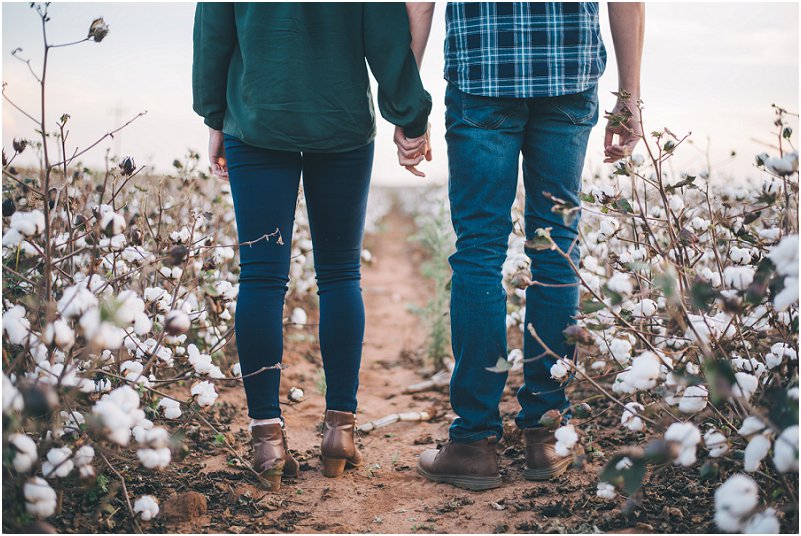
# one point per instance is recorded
(710, 68)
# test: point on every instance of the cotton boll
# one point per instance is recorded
(606, 491)
(777, 354)
(154, 458)
(606, 229)
(745, 385)
(646, 308)
(147, 507)
(641, 376)
(177, 322)
(295, 394)
(751, 425)
(131, 312)
(154, 437)
(757, 449)
(734, 500)
(299, 317)
(620, 349)
(111, 222)
(786, 165)
(58, 463)
(699, 224)
(28, 224)
(40, 498)
(710, 276)
(694, 399)
(716, 443)
(115, 411)
(204, 393)
(566, 438)
(84, 456)
(236, 370)
(676, 204)
(738, 277)
(559, 370)
(171, 408)
(631, 419)
(16, 325)
(25, 455)
(687, 436)
(740, 255)
(748, 365)
(12, 399)
(515, 358)
(75, 301)
(785, 257)
(620, 283)
(763, 523)
(785, 450)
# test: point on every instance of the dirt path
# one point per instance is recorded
(387, 495)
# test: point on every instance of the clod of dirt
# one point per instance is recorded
(184, 506)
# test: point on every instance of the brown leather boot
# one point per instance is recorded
(271, 458)
(472, 466)
(542, 462)
(339, 448)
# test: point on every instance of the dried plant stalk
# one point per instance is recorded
(411, 416)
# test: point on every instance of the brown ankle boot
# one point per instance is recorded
(271, 459)
(472, 466)
(542, 462)
(338, 448)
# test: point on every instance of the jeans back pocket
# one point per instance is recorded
(487, 113)
(580, 108)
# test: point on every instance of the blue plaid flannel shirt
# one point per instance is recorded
(523, 49)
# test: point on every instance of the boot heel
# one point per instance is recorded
(271, 482)
(271, 478)
(333, 467)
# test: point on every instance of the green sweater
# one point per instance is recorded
(291, 76)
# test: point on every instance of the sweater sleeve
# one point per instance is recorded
(401, 98)
(214, 39)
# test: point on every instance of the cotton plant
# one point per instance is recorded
(688, 304)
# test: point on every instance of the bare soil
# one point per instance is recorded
(386, 495)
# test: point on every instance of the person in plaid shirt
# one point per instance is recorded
(522, 79)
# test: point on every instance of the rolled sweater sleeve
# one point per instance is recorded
(214, 39)
(401, 98)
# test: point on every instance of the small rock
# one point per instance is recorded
(184, 506)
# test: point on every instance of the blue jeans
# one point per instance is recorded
(264, 186)
(486, 137)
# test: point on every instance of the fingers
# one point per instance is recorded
(409, 160)
(408, 144)
(410, 153)
(608, 137)
(414, 171)
(219, 167)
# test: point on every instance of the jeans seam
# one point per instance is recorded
(483, 434)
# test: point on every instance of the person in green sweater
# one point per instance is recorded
(284, 90)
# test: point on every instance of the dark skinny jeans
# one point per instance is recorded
(264, 186)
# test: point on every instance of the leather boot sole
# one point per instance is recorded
(472, 483)
(334, 467)
(547, 473)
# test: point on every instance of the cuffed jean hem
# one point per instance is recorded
(472, 437)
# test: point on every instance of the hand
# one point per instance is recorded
(219, 166)
(628, 132)
(413, 151)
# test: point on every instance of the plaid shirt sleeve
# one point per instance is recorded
(523, 49)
